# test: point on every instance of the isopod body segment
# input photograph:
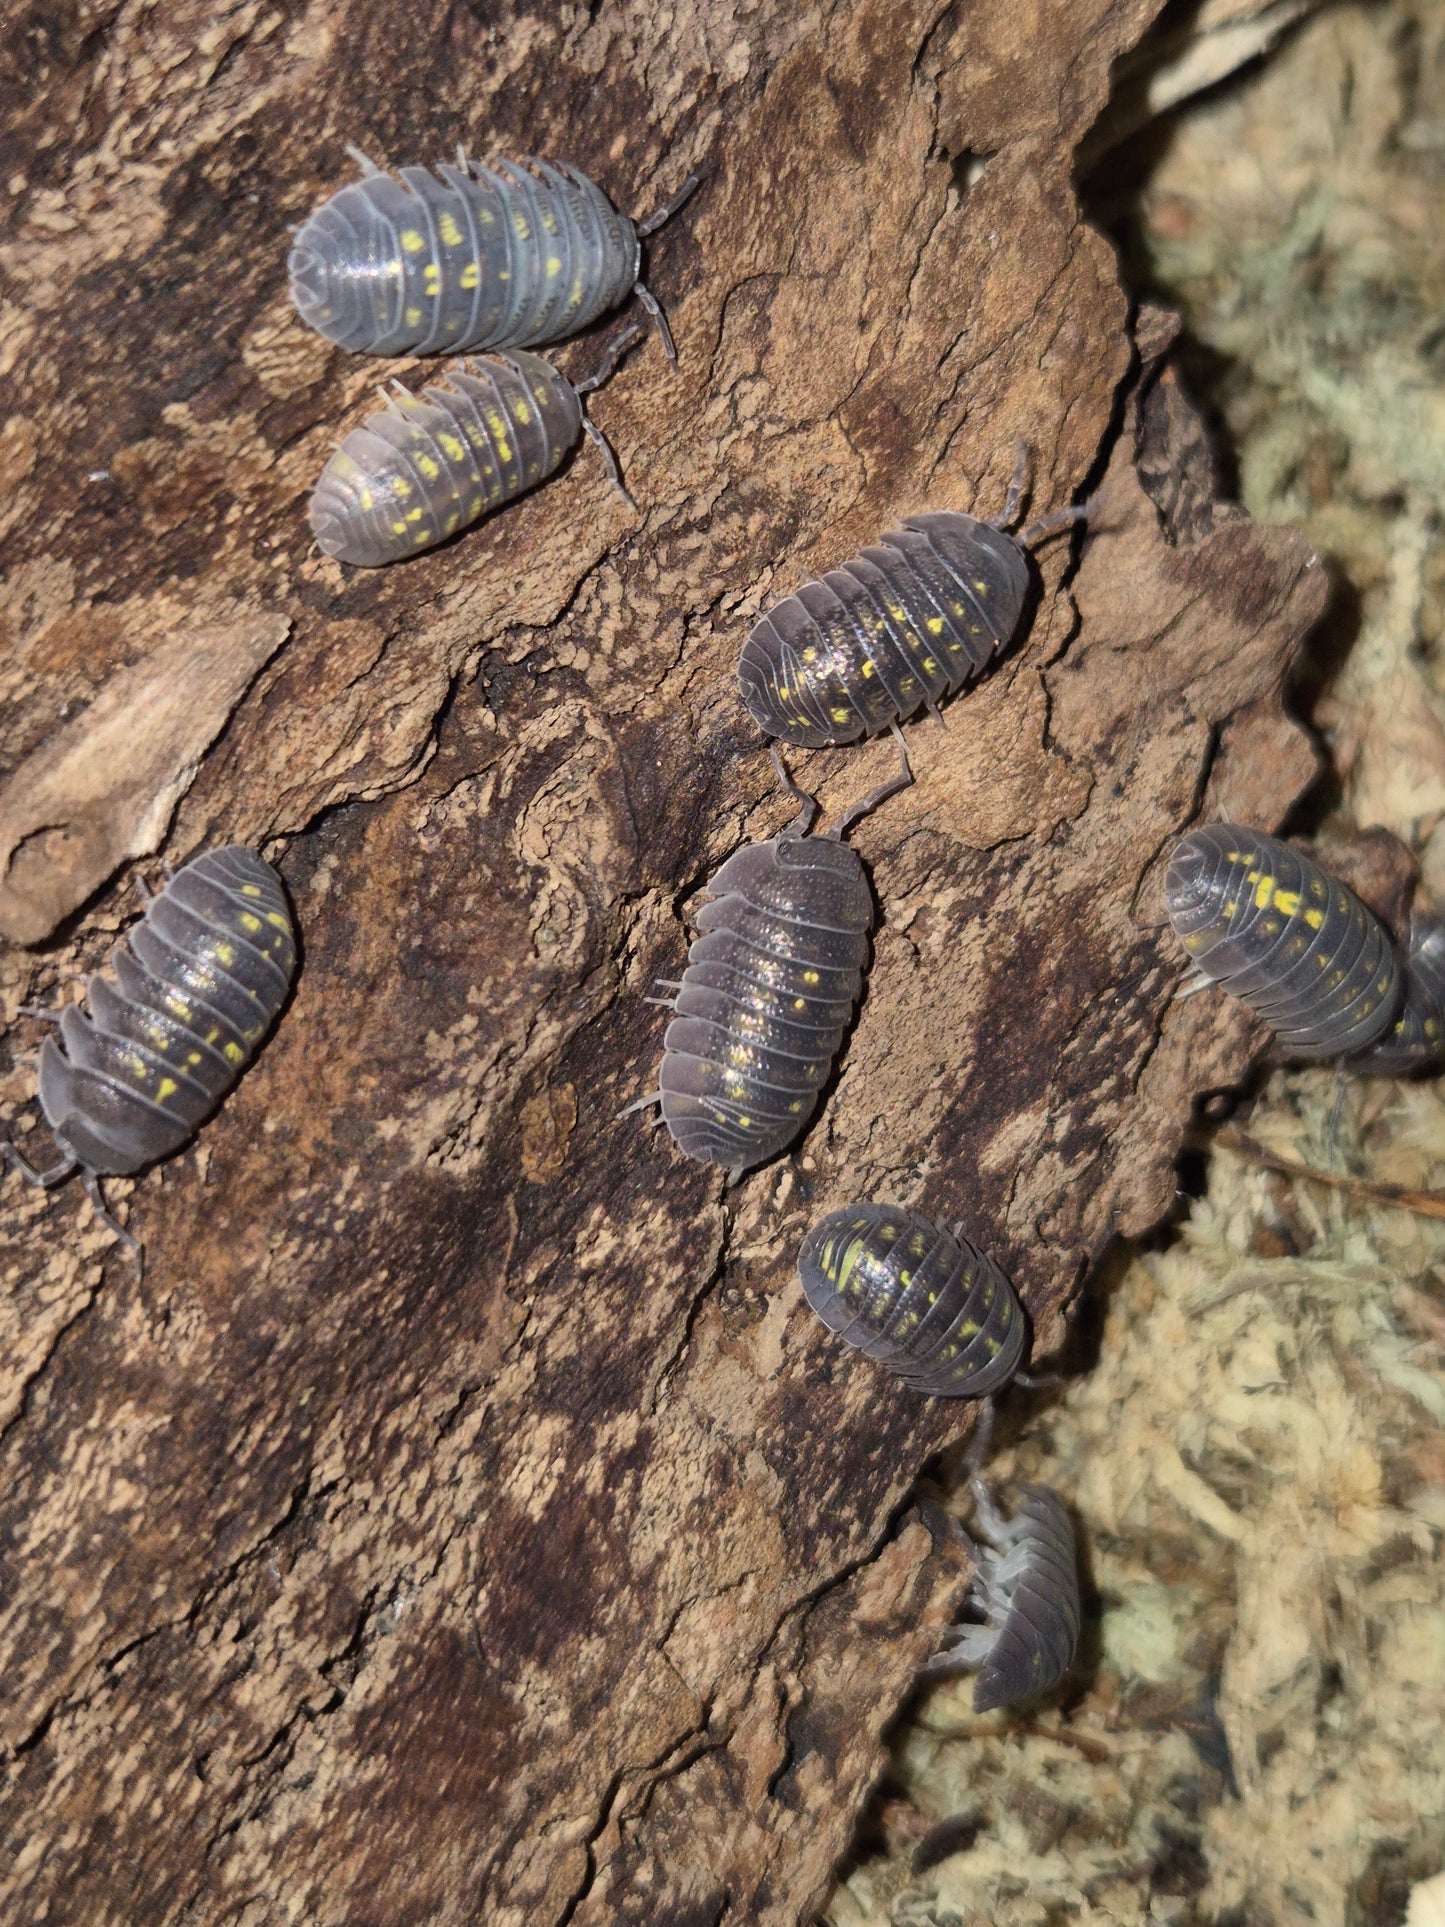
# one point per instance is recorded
(1292, 942)
(917, 1299)
(1417, 1036)
(428, 465)
(192, 990)
(907, 622)
(509, 255)
(768, 991)
(1027, 1587)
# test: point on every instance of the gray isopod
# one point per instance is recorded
(508, 255)
(1027, 1587)
(906, 623)
(917, 1299)
(196, 985)
(768, 991)
(433, 463)
(1289, 940)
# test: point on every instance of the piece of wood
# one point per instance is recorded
(465, 1519)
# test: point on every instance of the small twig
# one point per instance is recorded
(1093, 1750)
(1429, 1204)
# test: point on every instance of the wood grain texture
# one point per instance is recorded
(465, 1520)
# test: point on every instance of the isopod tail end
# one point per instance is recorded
(638, 1104)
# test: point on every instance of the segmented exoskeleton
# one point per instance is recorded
(917, 1299)
(768, 991)
(1027, 1587)
(1417, 1036)
(508, 255)
(431, 464)
(905, 623)
(196, 985)
(1292, 942)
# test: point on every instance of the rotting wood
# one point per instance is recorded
(465, 1519)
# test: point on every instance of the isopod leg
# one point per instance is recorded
(668, 208)
(363, 161)
(1051, 525)
(607, 368)
(992, 1523)
(654, 307)
(44, 1180)
(98, 1205)
(802, 822)
(604, 448)
(880, 795)
(1015, 488)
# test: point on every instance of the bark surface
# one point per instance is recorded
(465, 1519)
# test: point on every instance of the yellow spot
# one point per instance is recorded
(235, 1053)
(519, 222)
(504, 451)
(193, 1057)
(414, 515)
(1315, 919)
(934, 625)
(1318, 889)
(810, 976)
(281, 922)
(474, 508)
(250, 889)
(1286, 902)
(810, 655)
(421, 538)
(554, 266)
(398, 528)
(1231, 904)
(413, 317)
(1383, 985)
(401, 488)
(839, 715)
(225, 953)
(367, 498)
(522, 412)
(746, 1123)
(432, 278)
(1264, 891)
(166, 1088)
(248, 922)
(450, 232)
(452, 448)
(428, 468)
(470, 276)
(412, 241)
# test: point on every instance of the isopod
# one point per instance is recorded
(1416, 1037)
(433, 463)
(509, 255)
(915, 1298)
(1027, 1587)
(768, 990)
(1292, 942)
(906, 623)
(196, 985)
